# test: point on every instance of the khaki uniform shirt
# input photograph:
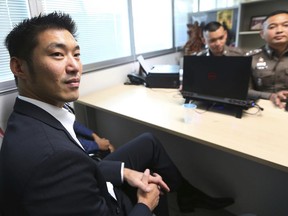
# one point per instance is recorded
(228, 51)
(269, 72)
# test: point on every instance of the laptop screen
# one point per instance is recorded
(218, 78)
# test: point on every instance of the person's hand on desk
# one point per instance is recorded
(279, 97)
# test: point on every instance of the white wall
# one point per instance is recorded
(91, 82)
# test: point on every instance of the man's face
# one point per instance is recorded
(216, 41)
(275, 30)
(54, 75)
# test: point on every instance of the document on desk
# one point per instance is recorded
(163, 68)
(143, 64)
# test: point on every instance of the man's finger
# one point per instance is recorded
(145, 176)
(145, 180)
(160, 182)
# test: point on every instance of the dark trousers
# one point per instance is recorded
(146, 151)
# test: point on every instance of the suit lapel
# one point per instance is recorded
(36, 112)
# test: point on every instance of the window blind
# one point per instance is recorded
(11, 12)
(103, 27)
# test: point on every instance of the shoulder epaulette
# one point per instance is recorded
(253, 52)
(231, 51)
(203, 52)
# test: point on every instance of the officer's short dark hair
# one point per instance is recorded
(211, 26)
(275, 13)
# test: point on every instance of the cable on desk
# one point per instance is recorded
(258, 110)
(213, 105)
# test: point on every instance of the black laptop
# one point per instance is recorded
(223, 79)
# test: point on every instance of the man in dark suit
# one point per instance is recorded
(44, 169)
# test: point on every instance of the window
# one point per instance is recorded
(103, 27)
(11, 12)
(110, 32)
(207, 5)
(227, 3)
(217, 4)
(181, 10)
(114, 31)
(152, 25)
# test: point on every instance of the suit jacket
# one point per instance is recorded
(43, 171)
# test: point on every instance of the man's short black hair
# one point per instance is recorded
(275, 13)
(212, 26)
(22, 40)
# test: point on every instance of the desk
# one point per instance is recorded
(250, 155)
(261, 137)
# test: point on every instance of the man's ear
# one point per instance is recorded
(203, 40)
(261, 33)
(225, 35)
(17, 67)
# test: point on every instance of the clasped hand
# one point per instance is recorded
(149, 186)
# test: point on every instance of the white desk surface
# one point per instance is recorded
(262, 137)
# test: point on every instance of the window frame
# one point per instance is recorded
(35, 8)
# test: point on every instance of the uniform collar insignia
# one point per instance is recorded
(269, 51)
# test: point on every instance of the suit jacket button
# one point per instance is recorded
(117, 210)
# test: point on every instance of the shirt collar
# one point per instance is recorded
(225, 51)
(270, 52)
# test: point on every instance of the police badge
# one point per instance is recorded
(261, 64)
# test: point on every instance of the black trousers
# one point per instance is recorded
(146, 151)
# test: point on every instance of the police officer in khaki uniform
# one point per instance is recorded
(215, 37)
(270, 62)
